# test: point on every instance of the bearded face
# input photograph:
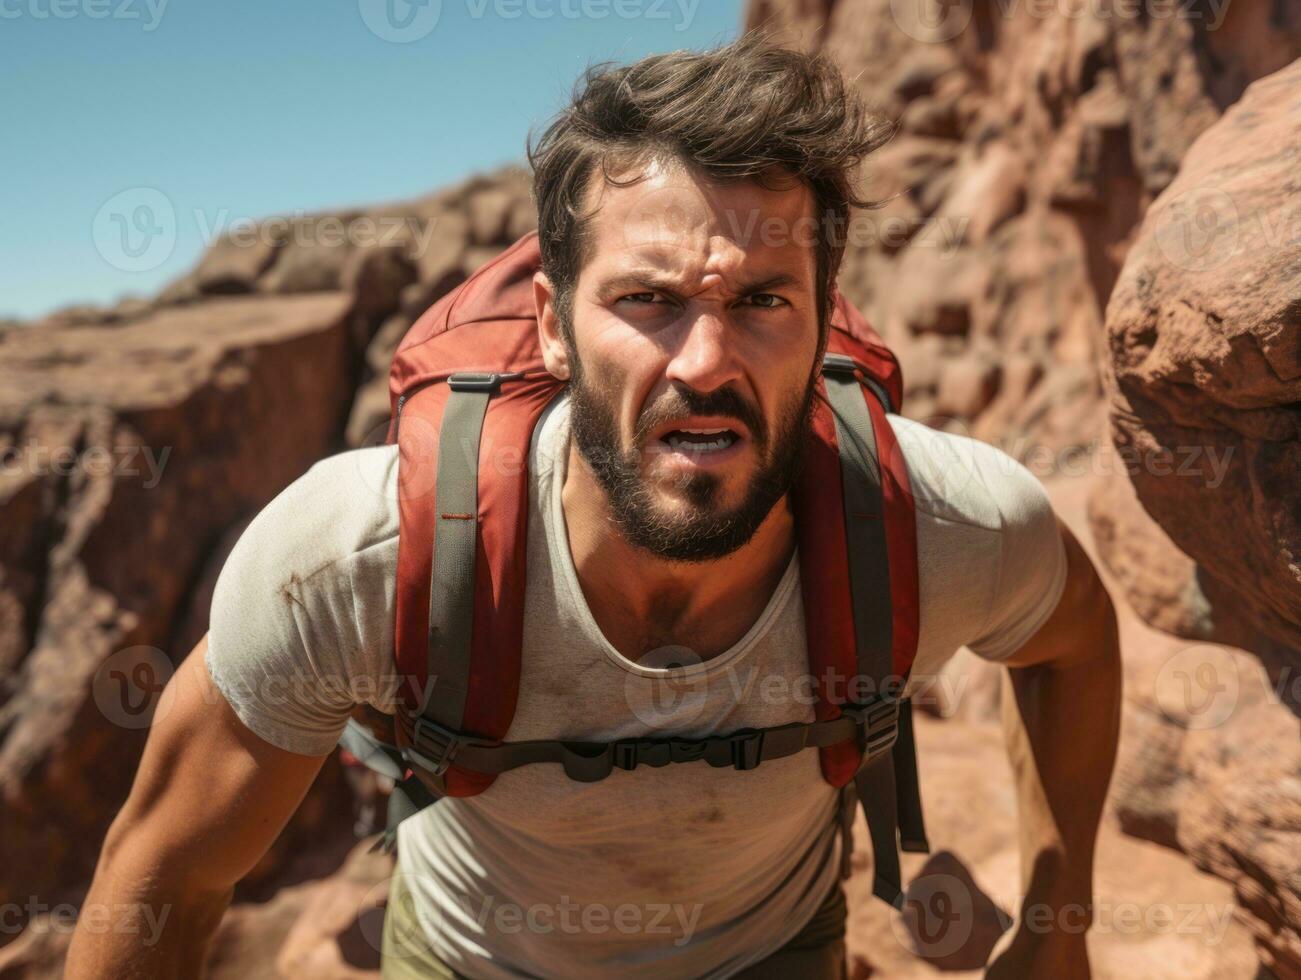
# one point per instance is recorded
(681, 512)
(690, 339)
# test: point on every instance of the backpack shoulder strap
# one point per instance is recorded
(880, 540)
(461, 564)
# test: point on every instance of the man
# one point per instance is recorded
(660, 548)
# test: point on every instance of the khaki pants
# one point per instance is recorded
(816, 953)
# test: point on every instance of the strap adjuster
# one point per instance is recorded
(489, 381)
(879, 721)
(433, 746)
(838, 364)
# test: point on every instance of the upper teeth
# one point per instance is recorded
(701, 440)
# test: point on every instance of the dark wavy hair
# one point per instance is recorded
(750, 110)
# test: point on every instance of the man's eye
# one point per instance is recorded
(766, 301)
(640, 297)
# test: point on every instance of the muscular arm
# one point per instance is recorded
(208, 800)
(1061, 725)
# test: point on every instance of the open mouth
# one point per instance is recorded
(710, 440)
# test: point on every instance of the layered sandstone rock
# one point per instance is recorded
(136, 444)
(1031, 137)
(1204, 343)
(1204, 377)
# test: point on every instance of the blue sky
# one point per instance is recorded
(184, 114)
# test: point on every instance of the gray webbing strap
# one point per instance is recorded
(451, 582)
(869, 565)
(375, 755)
(408, 795)
(590, 762)
(912, 826)
(869, 577)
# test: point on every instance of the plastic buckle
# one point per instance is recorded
(623, 755)
(747, 750)
(741, 750)
(838, 364)
(879, 721)
(489, 381)
(841, 364)
(634, 752)
(687, 749)
(444, 742)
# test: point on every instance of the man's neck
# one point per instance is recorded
(642, 602)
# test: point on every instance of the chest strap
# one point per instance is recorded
(433, 747)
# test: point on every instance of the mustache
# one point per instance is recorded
(678, 402)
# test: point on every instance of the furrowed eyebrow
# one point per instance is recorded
(650, 280)
(772, 282)
(639, 282)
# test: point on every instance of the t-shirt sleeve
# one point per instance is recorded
(1032, 561)
(298, 612)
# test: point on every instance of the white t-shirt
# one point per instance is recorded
(679, 871)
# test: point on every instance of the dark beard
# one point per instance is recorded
(704, 534)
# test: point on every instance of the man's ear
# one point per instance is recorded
(555, 355)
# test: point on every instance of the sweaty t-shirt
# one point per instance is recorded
(681, 871)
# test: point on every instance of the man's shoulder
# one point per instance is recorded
(955, 477)
(343, 506)
(300, 626)
(991, 560)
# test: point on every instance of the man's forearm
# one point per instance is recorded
(132, 927)
(1062, 724)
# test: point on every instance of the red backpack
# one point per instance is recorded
(468, 386)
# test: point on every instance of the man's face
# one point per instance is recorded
(690, 349)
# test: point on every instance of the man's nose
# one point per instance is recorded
(706, 357)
